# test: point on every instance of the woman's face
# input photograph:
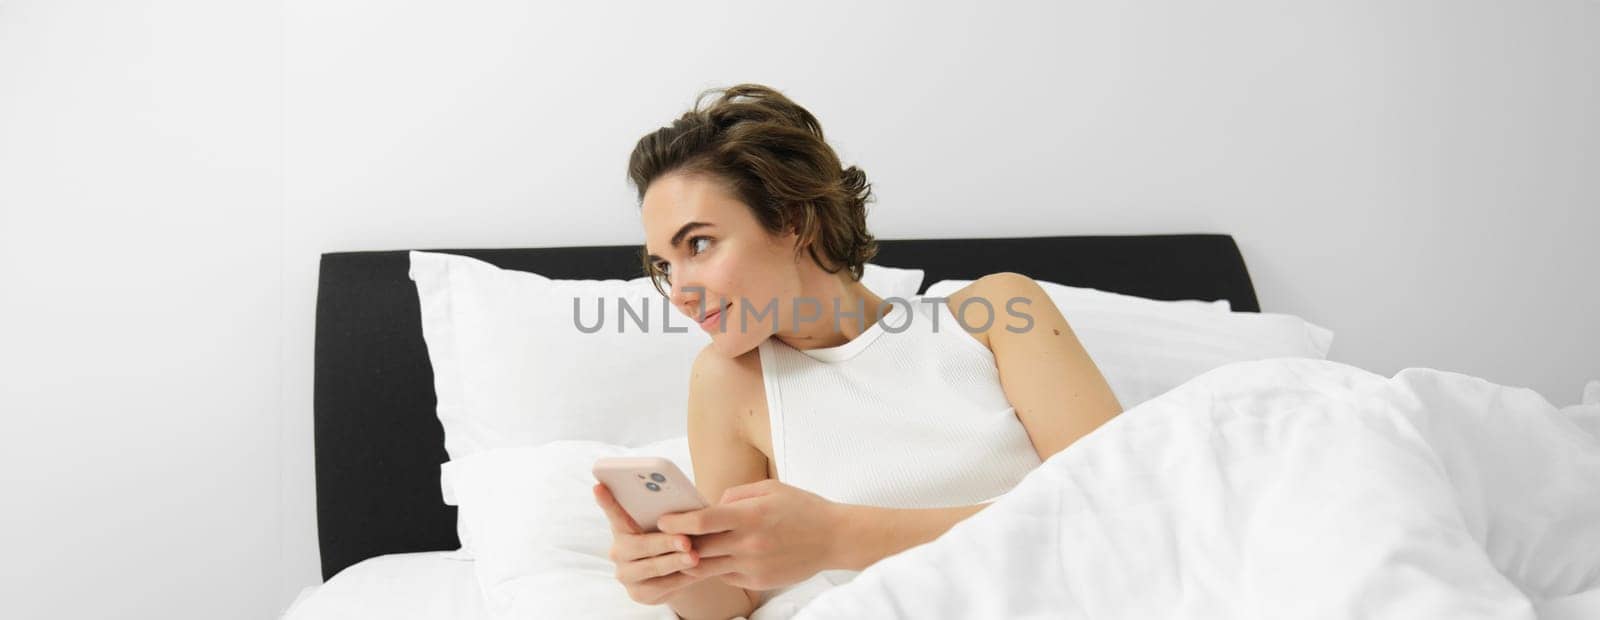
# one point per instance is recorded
(718, 259)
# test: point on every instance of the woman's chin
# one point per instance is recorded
(731, 344)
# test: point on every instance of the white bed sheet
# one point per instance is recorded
(1280, 488)
(399, 586)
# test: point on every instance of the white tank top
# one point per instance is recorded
(910, 414)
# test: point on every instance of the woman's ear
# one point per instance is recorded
(791, 240)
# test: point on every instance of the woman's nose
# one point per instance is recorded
(687, 298)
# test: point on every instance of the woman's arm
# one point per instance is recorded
(870, 533)
(722, 458)
(1056, 390)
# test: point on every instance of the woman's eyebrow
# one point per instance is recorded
(677, 237)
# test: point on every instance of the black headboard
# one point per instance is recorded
(379, 445)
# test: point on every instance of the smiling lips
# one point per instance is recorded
(710, 322)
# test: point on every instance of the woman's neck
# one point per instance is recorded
(820, 294)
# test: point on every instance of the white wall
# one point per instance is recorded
(1418, 176)
(141, 326)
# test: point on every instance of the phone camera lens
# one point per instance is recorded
(652, 486)
(658, 477)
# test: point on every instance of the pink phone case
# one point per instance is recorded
(648, 487)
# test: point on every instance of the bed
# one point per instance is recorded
(379, 444)
(1456, 538)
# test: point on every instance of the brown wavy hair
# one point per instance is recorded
(770, 152)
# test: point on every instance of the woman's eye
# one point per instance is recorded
(695, 249)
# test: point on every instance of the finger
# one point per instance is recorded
(654, 544)
(703, 521)
(716, 545)
(646, 568)
(621, 523)
(712, 567)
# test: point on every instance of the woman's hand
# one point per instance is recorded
(761, 536)
(649, 565)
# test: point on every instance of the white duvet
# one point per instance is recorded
(1284, 488)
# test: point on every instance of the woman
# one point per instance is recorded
(830, 441)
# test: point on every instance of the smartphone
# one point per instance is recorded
(648, 487)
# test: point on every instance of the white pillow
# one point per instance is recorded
(512, 367)
(1145, 347)
(891, 281)
(542, 541)
(1085, 296)
(1093, 296)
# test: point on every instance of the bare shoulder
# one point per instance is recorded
(1057, 391)
(993, 302)
(720, 446)
(997, 286)
(720, 382)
